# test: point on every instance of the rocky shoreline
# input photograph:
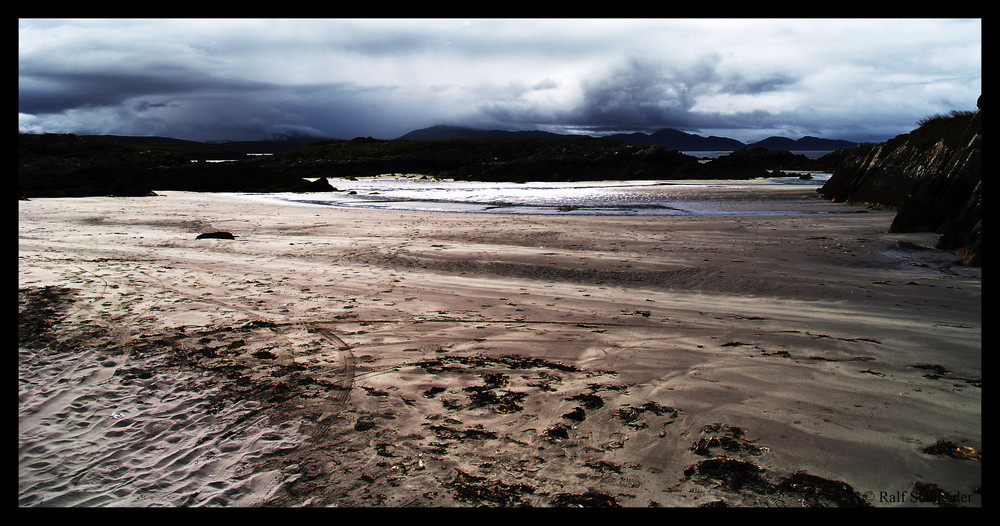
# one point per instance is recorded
(931, 176)
(76, 166)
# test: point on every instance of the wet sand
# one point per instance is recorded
(334, 357)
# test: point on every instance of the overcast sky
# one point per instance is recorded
(219, 79)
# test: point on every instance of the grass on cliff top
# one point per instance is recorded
(950, 127)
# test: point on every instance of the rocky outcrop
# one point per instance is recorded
(749, 163)
(932, 176)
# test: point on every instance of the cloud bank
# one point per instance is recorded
(864, 80)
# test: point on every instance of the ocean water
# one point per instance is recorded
(664, 198)
(712, 154)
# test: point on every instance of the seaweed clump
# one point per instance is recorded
(485, 492)
(632, 416)
(588, 499)
(816, 491)
(731, 439)
(953, 450)
(486, 395)
(731, 473)
(743, 476)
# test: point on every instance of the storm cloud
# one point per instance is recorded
(864, 80)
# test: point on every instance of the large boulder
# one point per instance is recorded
(216, 235)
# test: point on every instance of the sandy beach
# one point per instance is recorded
(359, 358)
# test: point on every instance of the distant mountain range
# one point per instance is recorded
(667, 137)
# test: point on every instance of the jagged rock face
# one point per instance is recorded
(931, 175)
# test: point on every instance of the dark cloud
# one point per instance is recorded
(54, 91)
(740, 84)
(639, 96)
(642, 95)
(248, 79)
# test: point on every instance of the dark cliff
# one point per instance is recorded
(932, 176)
